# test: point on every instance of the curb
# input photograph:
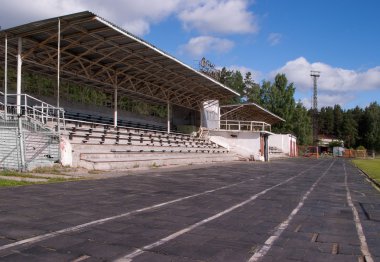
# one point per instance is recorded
(373, 181)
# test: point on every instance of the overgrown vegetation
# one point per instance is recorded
(4, 182)
(38, 85)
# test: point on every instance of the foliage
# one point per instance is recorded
(42, 86)
(335, 144)
(355, 126)
(360, 148)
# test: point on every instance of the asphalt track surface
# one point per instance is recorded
(286, 210)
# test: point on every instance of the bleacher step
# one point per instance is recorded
(154, 161)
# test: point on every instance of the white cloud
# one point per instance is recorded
(201, 45)
(274, 38)
(134, 16)
(332, 78)
(223, 16)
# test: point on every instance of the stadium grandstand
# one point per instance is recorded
(95, 72)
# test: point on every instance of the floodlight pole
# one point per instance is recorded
(315, 75)
(6, 79)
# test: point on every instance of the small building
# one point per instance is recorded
(242, 128)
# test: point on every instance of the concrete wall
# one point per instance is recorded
(246, 144)
(210, 114)
(285, 142)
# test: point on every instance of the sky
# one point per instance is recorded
(339, 38)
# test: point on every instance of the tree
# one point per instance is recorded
(251, 90)
(302, 125)
(279, 99)
(338, 121)
(349, 130)
(371, 124)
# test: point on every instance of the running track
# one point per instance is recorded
(286, 210)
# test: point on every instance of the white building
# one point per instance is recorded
(242, 128)
(283, 144)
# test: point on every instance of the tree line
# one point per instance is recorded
(356, 127)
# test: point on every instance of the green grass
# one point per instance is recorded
(11, 173)
(17, 174)
(9, 183)
(369, 166)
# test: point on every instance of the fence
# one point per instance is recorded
(10, 150)
(34, 146)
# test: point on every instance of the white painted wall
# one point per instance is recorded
(246, 144)
(210, 114)
(282, 141)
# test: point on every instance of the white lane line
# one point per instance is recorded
(359, 229)
(281, 227)
(139, 251)
(104, 220)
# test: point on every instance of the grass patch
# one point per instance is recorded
(17, 174)
(369, 166)
(55, 169)
(95, 172)
(9, 183)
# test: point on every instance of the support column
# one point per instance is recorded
(115, 107)
(19, 63)
(58, 61)
(266, 148)
(18, 101)
(168, 115)
(6, 79)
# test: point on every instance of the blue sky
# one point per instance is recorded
(340, 38)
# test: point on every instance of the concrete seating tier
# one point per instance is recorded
(132, 136)
(102, 147)
(110, 121)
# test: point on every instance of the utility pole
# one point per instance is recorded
(315, 75)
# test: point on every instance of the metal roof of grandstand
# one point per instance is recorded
(95, 52)
(248, 112)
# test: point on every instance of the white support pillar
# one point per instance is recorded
(6, 78)
(115, 107)
(58, 62)
(168, 114)
(19, 63)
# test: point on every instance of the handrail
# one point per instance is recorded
(35, 108)
(238, 125)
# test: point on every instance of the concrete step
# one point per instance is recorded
(114, 157)
(154, 161)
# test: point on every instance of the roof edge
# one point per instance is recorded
(262, 108)
(124, 32)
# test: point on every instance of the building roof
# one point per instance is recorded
(248, 112)
(96, 53)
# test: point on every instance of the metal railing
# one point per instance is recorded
(30, 108)
(237, 125)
